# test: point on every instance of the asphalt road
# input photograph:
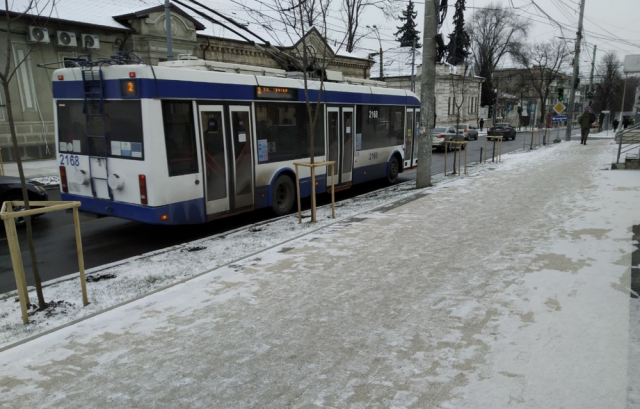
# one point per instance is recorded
(108, 239)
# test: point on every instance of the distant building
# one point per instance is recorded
(519, 101)
(75, 29)
(449, 79)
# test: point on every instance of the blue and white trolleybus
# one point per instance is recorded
(181, 143)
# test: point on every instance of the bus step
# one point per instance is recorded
(340, 188)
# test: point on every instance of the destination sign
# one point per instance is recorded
(290, 94)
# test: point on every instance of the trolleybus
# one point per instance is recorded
(182, 144)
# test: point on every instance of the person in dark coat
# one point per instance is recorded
(615, 124)
(625, 122)
(481, 123)
(585, 126)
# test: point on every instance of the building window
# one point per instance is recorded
(180, 137)
(25, 76)
(3, 116)
(449, 107)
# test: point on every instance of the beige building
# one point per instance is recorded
(455, 92)
(81, 29)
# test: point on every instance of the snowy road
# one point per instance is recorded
(521, 300)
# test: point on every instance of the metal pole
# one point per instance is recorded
(624, 95)
(167, 18)
(413, 66)
(593, 67)
(576, 66)
(496, 104)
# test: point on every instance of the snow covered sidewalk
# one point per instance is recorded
(509, 288)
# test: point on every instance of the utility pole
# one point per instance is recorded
(413, 66)
(427, 94)
(576, 65)
(497, 103)
(167, 18)
(593, 67)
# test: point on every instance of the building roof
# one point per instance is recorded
(258, 20)
(146, 12)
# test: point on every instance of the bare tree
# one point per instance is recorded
(494, 32)
(353, 10)
(610, 82)
(542, 63)
(312, 59)
(459, 99)
(7, 74)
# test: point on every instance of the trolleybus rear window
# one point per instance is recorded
(283, 130)
(180, 137)
(118, 136)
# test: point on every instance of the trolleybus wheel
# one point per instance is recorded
(394, 169)
(283, 195)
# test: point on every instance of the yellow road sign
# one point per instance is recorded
(559, 108)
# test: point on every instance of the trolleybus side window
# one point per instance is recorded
(180, 138)
(381, 126)
(283, 132)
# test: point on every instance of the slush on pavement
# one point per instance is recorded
(510, 288)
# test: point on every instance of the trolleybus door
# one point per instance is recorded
(340, 130)
(333, 143)
(243, 159)
(216, 170)
(348, 125)
(409, 138)
(415, 133)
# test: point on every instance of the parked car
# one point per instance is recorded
(10, 190)
(503, 129)
(470, 132)
(445, 133)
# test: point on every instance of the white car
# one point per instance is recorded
(445, 133)
(470, 132)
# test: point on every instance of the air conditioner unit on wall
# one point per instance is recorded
(66, 39)
(90, 41)
(37, 35)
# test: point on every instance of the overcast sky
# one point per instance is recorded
(609, 24)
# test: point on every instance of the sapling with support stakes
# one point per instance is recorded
(310, 59)
(8, 72)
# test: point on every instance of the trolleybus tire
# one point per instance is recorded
(284, 194)
(394, 170)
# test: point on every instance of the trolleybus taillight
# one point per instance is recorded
(63, 179)
(143, 189)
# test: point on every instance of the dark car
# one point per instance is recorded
(10, 190)
(502, 129)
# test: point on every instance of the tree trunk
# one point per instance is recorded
(23, 184)
(427, 95)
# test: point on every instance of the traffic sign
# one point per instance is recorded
(559, 108)
(559, 118)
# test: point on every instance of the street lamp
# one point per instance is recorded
(374, 28)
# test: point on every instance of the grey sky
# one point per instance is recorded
(618, 17)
